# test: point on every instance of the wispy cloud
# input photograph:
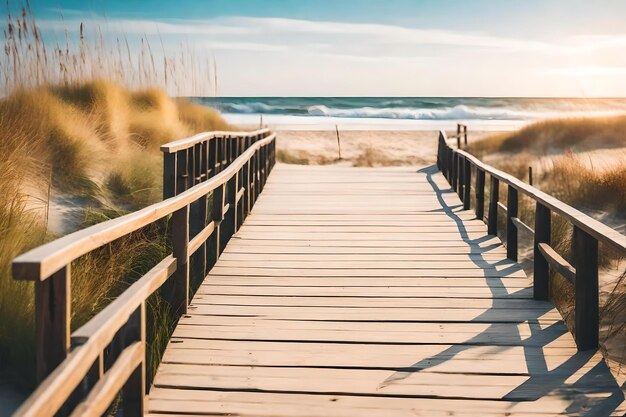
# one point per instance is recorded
(290, 30)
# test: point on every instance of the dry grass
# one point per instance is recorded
(67, 121)
(371, 157)
(290, 157)
(598, 189)
(555, 136)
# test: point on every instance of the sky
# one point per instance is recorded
(506, 48)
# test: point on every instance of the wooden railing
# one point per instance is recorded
(457, 166)
(83, 372)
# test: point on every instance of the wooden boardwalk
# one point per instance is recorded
(370, 292)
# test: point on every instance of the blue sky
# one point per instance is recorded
(380, 48)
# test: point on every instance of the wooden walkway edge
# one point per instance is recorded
(371, 292)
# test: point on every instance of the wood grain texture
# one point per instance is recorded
(370, 292)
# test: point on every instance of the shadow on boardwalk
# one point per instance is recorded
(563, 381)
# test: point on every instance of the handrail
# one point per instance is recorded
(71, 368)
(457, 166)
(201, 137)
(590, 225)
(39, 263)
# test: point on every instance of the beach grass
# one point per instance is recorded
(84, 120)
(562, 153)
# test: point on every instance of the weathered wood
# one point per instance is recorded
(593, 227)
(522, 226)
(101, 328)
(480, 194)
(135, 388)
(587, 317)
(178, 296)
(52, 321)
(511, 230)
(105, 391)
(467, 182)
(323, 291)
(169, 175)
(199, 240)
(207, 136)
(39, 263)
(557, 262)
(492, 225)
(541, 275)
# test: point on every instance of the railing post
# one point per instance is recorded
(217, 215)
(467, 185)
(52, 321)
(543, 222)
(169, 175)
(449, 163)
(586, 309)
(494, 196)
(458, 136)
(511, 229)
(179, 294)
(135, 388)
(480, 193)
(182, 171)
(461, 179)
(454, 169)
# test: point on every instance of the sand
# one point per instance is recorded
(362, 147)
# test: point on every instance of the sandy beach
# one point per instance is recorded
(363, 147)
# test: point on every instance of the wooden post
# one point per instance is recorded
(455, 161)
(458, 136)
(541, 285)
(169, 175)
(217, 214)
(530, 175)
(450, 164)
(511, 229)
(465, 134)
(461, 174)
(179, 294)
(52, 321)
(338, 142)
(480, 194)
(467, 185)
(135, 388)
(587, 316)
(494, 196)
(182, 171)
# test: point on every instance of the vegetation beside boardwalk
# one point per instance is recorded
(74, 129)
(568, 170)
(574, 160)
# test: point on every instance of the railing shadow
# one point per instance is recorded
(565, 381)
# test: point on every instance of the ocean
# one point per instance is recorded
(420, 113)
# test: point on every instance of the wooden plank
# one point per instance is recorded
(165, 400)
(372, 382)
(360, 292)
(509, 284)
(442, 271)
(480, 291)
(368, 302)
(380, 314)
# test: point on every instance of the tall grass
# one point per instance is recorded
(85, 119)
(598, 189)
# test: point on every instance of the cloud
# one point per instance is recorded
(290, 30)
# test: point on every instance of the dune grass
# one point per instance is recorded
(71, 126)
(96, 140)
(559, 152)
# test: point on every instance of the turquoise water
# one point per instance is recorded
(418, 108)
